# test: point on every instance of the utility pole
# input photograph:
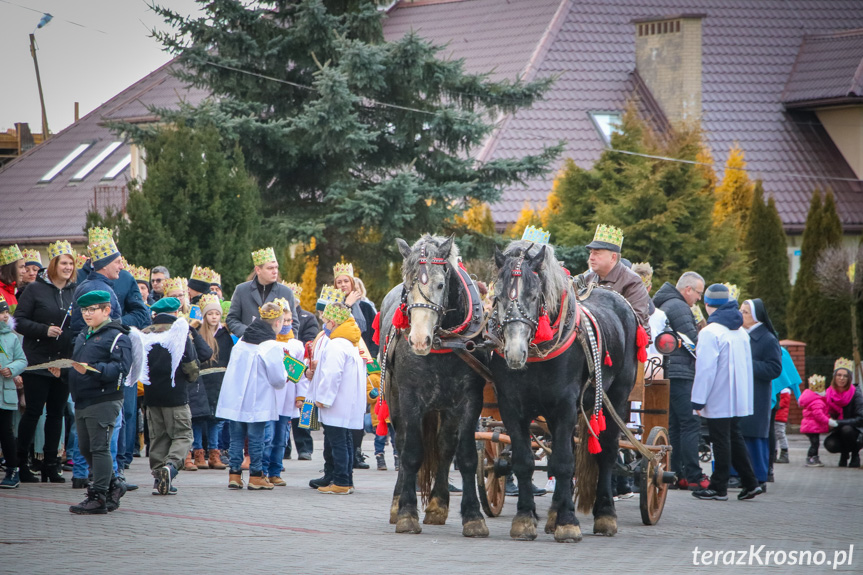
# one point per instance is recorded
(39, 82)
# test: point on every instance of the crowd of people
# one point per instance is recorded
(109, 361)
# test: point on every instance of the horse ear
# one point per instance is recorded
(537, 261)
(404, 248)
(446, 247)
(499, 258)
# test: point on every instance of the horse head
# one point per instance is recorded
(529, 284)
(426, 271)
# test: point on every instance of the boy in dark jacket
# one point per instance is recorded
(172, 363)
(103, 358)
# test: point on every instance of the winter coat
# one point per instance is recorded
(309, 326)
(161, 392)
(246, 301)
(766, 366)
(628, 284)
(784, 406)
(852, 412)
(107, 350)
(815, 416)
(680, 364)
(11, 356)
(339, 382)
(43, 305)
(368, 313)
(130, 306)
(213, 381)
(199, 401)
(8, 292)
(94, 282)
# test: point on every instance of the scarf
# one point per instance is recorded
(728, 315)
(348, 330)
(836, 400)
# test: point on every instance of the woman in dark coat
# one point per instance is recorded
(845, 408)
(766, 366)
(42, 317)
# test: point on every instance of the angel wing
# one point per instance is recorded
(137, 357)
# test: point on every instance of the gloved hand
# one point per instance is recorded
(374, 393)
(832, 423)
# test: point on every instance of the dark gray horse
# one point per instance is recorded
(434, 398)
(530, 282)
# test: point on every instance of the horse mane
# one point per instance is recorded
(554, 280)
(410, 265)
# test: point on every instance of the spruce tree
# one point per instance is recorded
(766, 244)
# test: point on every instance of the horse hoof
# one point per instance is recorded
(605, 525)
(394, 511)
(567, 534)
(475, 528)
(552, 522)
(408, 524)
(435, 513)
(523, 528)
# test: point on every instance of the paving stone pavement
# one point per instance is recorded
(207, 528)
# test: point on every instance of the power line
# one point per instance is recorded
(62, 19)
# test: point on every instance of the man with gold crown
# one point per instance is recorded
(263, 288)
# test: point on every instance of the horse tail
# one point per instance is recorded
(431, 454)
(586, 470)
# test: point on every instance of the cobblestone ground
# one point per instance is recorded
(208, 529)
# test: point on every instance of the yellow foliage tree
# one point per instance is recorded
(734, 192)
(705, 161)
(477, 218)
(552, 205)
(527, 217)
(309, 282)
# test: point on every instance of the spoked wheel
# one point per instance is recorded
(653, 489)
(492, 489)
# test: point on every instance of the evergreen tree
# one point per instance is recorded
(766, 245)
(813, 318)
(354, 140)
(198, 206)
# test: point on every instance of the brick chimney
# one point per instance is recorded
(668, 59)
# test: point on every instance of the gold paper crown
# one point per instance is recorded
(536, 235)
(330, 295)
(99, 235)
(10, 254)
(59, 248)
(696, 313)
(733, 291)
(270, 314)
(338, 312)
(343, 269)
(203, 274)
(844, 363)
(209, 299)
(283, 303)
(263, 256)
(217, 279)
(174, 284)
(140, 273)
(817, 383)
(80, 260)
(100, 251)
(296, 288)
(32, 256)
(123, 263)
(609, 235)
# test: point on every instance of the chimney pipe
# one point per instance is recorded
(76, 111)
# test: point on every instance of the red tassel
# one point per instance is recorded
(382, 410)
(601, 420)
(607, 359)
(543, 329)
(641, 340)
(376, 326)
(593, 442)
(401, 320)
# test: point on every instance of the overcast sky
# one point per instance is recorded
(89, 52)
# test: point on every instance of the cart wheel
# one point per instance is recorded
(491, 485)
(653, 490)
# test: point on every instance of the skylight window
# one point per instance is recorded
(121, 165)
(606, 124)
(65, 162)
(83, 172)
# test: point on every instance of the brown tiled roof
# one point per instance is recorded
(749, 49)
(828, 67)
(34, 212)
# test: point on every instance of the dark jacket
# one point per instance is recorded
(131, 309)
(93, 282)
(160, 392)
(628, 284)
(680, 364)
(247, 299)
(198, 402)
(213, 381)
(107, 350)
(43, 305)
(369, 314)
(766, 366)
(852, 413)
(309, 326)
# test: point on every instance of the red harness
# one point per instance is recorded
(556, 327)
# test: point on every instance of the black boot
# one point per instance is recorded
(25, 474)
(359, 459)
(116, 490)
(52, 472)
(843, 459)
(94, 504)
(855, 459)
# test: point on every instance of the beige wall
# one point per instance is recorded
(845, 126)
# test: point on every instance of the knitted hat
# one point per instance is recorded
(716, 295)
(166, 305)
(93, 297)
(337, 312)
(209, 302)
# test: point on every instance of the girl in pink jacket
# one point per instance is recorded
(815, 419)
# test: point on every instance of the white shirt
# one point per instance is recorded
(249, 387)
(339, 383)
(723, 372)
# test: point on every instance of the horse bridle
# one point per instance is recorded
(422, 277)
(515, 305)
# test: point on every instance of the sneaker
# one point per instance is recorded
(538, 491)
(682, 484)
(709, 494)
(550, 484)
(11, 480)
(734, 483)
(116, 490)
(814, 461)
(629, 495)
(382, 462)
(94, 504)
(702, 483)
(747, 494)
(163, 479)
(783, 456)
(336, 489)
(320, 482)
(305, 457)
(453, 489)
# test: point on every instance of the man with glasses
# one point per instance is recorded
(683, 426)
(157, 280)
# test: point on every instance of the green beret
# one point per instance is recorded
(94, 297)
(166, 305)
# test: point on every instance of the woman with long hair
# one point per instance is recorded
(11, 272)
(845, 409)
(43, 319)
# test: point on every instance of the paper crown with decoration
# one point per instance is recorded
(536, 235)
(294, 287)
(817, 383)
(59, 248)
(99, 235)
(283, 303)
(271, 314)
(263, 256)
(733, 291)
(337, 312)
(607, 238)
(32, 257)
(140, 273)
(343, 269)
(10, 254)
(217, 279)
(208, 302)
(329, 295)
(175, 284)
(81, 260)
(203, 274)
(101, 250)
(844, 363)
